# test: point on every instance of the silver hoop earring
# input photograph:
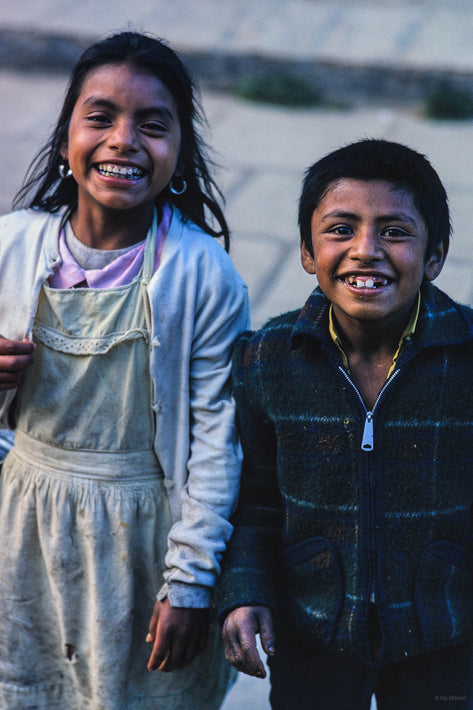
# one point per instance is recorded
(64, 172)
(180, 190)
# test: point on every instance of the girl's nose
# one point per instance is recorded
(366, 246)
(123, 137)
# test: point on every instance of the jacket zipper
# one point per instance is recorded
(367, 441)
(367, 444)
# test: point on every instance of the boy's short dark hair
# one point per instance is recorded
(375, 159)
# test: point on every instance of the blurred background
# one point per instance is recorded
(282, 83)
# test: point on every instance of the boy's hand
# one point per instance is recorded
(178, 635)
(15, 356)
(239, 635)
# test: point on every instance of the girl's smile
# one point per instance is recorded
(123, 142)
(369, 252)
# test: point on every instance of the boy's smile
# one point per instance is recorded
(370, 245)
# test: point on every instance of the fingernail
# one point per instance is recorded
(149, 638)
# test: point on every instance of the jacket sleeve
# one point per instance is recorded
(251, 562)
(197, 540)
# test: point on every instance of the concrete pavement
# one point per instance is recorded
(389, 49)
(262, 151)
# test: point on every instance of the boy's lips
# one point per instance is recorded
(115, 170)
(366, 281)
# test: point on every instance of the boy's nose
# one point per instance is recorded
(366, 246)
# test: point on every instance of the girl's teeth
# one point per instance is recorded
(369, 283)
(122, 171)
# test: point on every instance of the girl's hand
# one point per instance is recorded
(239, 635)
(15, 356)
(178, 635)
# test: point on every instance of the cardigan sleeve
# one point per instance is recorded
(198, 539)
(252, 558)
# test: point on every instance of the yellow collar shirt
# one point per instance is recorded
(409, 330)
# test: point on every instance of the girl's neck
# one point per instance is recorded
(116, 230)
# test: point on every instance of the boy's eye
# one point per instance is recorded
(343, 230)
(395, 232)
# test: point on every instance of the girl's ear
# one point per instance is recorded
(64, 151)
(308, 261)
(434, 263)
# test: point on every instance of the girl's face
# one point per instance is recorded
(123, 141)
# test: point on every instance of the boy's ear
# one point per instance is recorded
(308, 261)
(434, 263)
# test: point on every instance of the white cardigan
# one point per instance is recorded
(199, 305)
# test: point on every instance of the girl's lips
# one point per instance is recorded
(126, 172)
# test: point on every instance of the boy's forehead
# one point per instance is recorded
(373, 184)
(351, 190)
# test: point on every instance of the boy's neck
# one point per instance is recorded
(370, 348)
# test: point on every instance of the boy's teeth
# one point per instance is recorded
(366, 282)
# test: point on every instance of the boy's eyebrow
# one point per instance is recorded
(159, 109)
(395, 217)
(340, 214)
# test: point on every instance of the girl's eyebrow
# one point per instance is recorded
(158, 110)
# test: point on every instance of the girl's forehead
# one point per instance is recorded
(126, 79)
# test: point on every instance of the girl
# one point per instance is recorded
(118, 311)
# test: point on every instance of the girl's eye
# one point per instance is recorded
(153, 127)
(99, 118)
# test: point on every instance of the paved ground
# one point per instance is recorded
(412, 33)
(263, 150)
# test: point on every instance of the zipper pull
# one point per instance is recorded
(367, 443)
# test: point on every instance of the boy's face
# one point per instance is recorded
(370, 246)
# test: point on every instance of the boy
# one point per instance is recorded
(352, 554)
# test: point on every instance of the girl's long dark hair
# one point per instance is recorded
(200, 202)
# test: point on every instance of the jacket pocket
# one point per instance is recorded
(312, 587)
(444, 594)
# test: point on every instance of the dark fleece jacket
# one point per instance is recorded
(323, 526)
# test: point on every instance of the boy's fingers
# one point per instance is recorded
(251, 662)
(239, 635)
(267, 632)
(244, 656)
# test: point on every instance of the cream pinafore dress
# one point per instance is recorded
(84, 517)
